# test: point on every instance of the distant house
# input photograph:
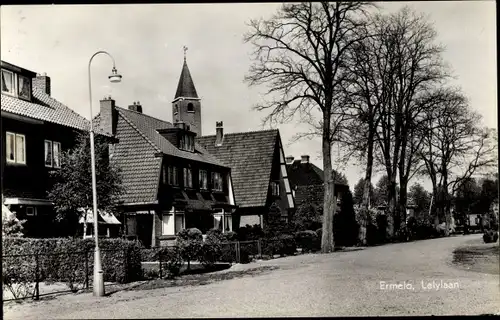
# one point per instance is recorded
(307, 182)
(171, 182)
(36, 128)
(259, 172)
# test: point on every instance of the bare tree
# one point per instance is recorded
(389, 71)
(300, 55)
(455, 147)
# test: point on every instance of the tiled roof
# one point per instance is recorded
(250, 155)
(315, 193)
(186, 88)
(304, 174)
(140, 169)
(148, 126)
(45, 108)
(139, 141)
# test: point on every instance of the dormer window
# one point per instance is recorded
(173, 176)
(188, 178)
(8, 84)
(216, 181)
(16, 85)
(24, 87)
(187, 142)
(190, 107)
(203, 178)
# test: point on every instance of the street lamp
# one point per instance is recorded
(98, 273)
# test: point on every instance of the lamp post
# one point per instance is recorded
(98, 286)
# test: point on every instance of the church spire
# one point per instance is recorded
(185, 88)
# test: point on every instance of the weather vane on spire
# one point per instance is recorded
(185, 50)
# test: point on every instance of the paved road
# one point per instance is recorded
(338, 284)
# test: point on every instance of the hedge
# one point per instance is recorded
(64, 259)
(283, 245)
(308, 240)
(490, 236)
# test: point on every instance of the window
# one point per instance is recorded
(188, 178)
(190, 107)
(8, 83)
(187, 142)
(216, 181)
(164, 175)
(275, 188)
(24, 87)
(227, 223)
(170, 225)
(15, 148)
(173, 177)
(176, 109)
(30, 211)
(203, 179)
(52, 154)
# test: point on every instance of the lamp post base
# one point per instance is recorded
(98, 286)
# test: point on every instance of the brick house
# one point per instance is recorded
(259, 172)
(256, 159)
(36, 128)
(170, 181)
(307, 181)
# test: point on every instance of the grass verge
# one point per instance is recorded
(478, 257)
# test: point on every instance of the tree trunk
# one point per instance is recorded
(403, 198)
(366, 190)
(85, 225)
(327, 241)
(391, 207)
(446, 207)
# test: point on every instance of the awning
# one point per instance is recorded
(27, 201)
(106, 217)
(6, 213)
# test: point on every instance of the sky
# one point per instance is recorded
(147, 42)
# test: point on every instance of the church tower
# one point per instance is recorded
(186, 106)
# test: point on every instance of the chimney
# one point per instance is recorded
(289, 160)
(180, 125)
(42, 83)
(109, 116)
(136, 107)
(219, 133)
(304, 159)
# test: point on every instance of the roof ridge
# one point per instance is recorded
(143, 114)
(130, 122)
(239, 133)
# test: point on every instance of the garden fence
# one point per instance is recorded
(38, 274)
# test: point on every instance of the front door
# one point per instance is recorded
(144, 229)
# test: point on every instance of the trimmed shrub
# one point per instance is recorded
(211, 250)
(249, 232)
(171, 261)
(490, 236)
(190, 242)
(308, 240)
(70, 260)
(230, 236)
(283, 245)
(402, 234)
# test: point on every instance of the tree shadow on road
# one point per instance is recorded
(482, 258)
(198, 279)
